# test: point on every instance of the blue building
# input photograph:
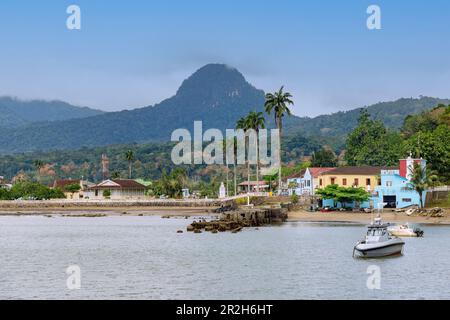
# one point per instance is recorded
(392, 191)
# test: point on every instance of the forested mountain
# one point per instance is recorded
(15, 113)
(216, 94)
(339, 124)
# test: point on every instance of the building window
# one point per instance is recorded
(407, 200)
(356, 183)
(308, 183)
(379, 181)
(388, 183)
(344, 181)
(368, 182)
(320, 181)
(333, 180)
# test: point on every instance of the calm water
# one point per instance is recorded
(144, 258)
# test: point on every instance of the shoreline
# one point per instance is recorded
(364, 218)
(108, 211)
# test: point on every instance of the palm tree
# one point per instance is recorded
(422, 179)
(38, 164)
(278, 103)
(256, 121)
(242, 123)
(129, 155)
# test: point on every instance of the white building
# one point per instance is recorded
(306, 181)
(116, 190)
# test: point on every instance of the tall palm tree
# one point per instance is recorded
(38, 164)
(129, 155)
(235, 165)
(242, 123)
(255, 120)
(278, 103)
(422, 179)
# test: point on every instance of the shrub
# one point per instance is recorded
(294, 198)
(107, 194)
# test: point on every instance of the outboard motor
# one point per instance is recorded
(418, 232)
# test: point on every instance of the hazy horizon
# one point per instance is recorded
(129, 56)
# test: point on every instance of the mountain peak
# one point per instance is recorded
(214, 80)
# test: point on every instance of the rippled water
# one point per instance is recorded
(144, 258)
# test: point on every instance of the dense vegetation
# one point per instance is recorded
(343, 195)
(216, 94)
(30, 191)
(426, 135)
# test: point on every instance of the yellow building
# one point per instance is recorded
(361, 177)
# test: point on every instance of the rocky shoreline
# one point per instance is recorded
(238, 219)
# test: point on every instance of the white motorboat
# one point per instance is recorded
(404, 230)
(378, 243)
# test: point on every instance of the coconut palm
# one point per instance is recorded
(422, 179)
(243, 124)
(129, 155)
(278, 103)
(255, 120)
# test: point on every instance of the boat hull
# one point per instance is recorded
(378, 250)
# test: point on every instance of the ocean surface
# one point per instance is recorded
(144, 258)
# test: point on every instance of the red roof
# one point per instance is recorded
(315, 172)
(364, 170)
(120, 184)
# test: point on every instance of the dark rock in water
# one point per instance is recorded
(165, 217)
(197, 231)
(180, 231)
(235, 221)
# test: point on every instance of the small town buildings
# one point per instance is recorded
(389, 187)
(361, 177)
(254, 186)
(306, 181)
(394, 191)
(65, 184)
(117, 189)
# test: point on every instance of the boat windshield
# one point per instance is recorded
(376, 232)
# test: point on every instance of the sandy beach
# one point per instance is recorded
(365, 218)
(113, 211)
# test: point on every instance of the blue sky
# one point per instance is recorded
(136, 53)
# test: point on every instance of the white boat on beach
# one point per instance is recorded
(404, 230)
(378, 242)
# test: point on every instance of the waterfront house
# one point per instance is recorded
(117, 189)
(64, 185)
(306, 181)
(393, 191)
(360, 177)
(388, 186)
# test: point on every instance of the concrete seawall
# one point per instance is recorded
(76, 204)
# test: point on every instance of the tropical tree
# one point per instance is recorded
(255, 120)
(324, 158)
(243, 124)
(38, 164)
(115, 175)
(278, 103)
(343, 195)
(129, 155)
(422, 179)
(371, 144)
